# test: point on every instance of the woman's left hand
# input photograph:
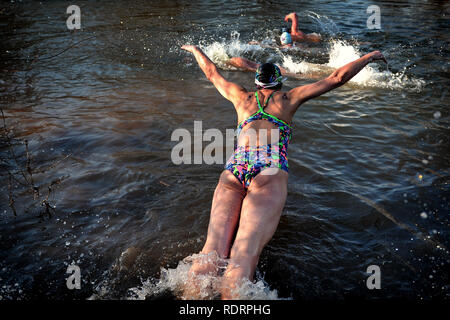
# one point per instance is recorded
(189, 47)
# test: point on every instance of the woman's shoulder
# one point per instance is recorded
(281, 95)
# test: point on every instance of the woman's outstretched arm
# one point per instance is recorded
(340, 76)
(229, 90)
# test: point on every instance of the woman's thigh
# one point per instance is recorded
(260, 215)
(225, 211)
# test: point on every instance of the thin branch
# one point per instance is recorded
(11, 198)
(10, 146)
(34, 189)
(61, 52)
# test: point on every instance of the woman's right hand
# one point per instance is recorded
(377, 55)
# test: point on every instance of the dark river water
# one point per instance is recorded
(87, 177)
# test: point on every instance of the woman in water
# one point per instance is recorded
(252, 190)
(289, 38)
(296, 34)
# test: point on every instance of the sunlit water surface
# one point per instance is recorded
(369, 162)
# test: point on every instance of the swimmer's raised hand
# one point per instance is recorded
(377, 55)
(189, 47)
(290, 16)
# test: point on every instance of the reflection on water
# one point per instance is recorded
(86, 142)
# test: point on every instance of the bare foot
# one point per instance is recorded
(232, 280)
(201, 277)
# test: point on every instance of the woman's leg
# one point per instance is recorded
(243, 63)
(249, 65)
(225, 211)
(260, 214)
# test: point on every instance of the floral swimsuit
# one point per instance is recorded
(248, 161)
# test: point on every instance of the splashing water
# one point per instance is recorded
(339, 51)
(207, 286)
(221, 52)
(342, 53)
(325, 24)
(302, 67)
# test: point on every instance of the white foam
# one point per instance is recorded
(302, 67)
(207, 287)
(221, 52)
(342, 53)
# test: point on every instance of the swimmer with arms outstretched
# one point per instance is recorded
(252, 189)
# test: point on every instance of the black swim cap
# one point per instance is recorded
(268, 75)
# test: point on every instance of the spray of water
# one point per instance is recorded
(339, 52)
(325, 25)
(183, 285)
(342, 53)
(299, 67)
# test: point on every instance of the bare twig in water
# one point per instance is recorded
(69, 47)
(17, 172)
(11, 198)
(34, 189)
(45, 203)
(10, 146)
(54, 164)
(164, 183)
